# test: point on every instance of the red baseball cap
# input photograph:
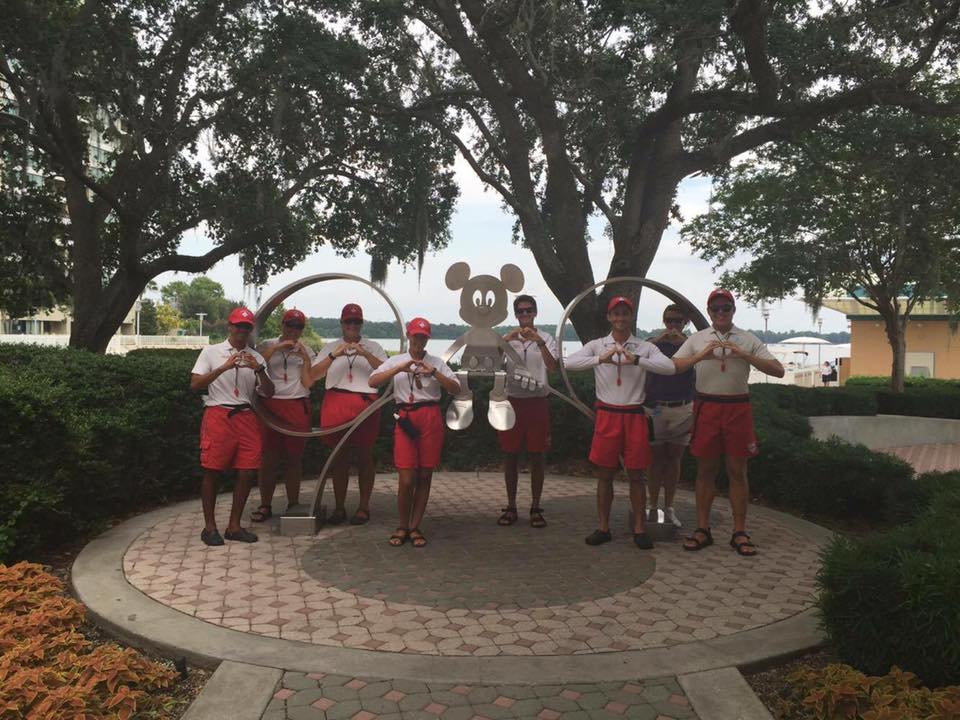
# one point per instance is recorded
(240, 315)
(351, 311)
(294, 314)
(620, 300)
(721, 293)
(418, 326)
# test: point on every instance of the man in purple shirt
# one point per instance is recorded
(669, 403)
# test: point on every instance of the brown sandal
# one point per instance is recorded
(509, 517)
(399, 537)
(417, 538)
(536, 518)
(745, 548)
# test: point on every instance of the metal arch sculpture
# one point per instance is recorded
(307, 524)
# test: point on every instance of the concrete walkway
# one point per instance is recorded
(510, 611)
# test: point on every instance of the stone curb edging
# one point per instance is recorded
(722, 694)
(98, 581)
(236, 691)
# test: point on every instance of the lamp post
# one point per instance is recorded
(201, 316)
(819, 332)
(765, 314)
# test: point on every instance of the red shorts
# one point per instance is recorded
(532, 429)
(229, 441)
(294, 412)
(424, 451)
(342, 406)
(620, 430)
(723, 428)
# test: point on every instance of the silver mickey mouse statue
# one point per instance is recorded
(483, 304)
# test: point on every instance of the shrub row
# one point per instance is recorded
(891, 598)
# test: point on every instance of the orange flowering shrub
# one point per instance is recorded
(839, 692)
(50, 671)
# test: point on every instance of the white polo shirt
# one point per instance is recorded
(533, 360)
(723, 374)
(232, 387)
(285, 368)
(405, 388)
(350, 372)
(633, 378)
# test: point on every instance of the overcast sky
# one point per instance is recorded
(481, 233)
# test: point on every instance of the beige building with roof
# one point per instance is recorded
(933, 346)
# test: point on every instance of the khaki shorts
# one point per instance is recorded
(671, 425)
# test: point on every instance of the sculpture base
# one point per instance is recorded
(298, 520)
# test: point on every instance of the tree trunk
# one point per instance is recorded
(895, 325)
(97, 319)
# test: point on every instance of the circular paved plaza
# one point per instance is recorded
(478, 589)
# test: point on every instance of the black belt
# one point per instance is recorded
(234, 409)
(621, 409)
(667, 403)
(414, 406)
(730, 399)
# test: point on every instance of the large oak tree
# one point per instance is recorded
(868, 206)
(244, 119)
(577, 107)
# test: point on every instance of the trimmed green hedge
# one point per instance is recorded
(892, 598)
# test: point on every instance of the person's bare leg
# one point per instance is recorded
(638, 500)
(671, 472)
(341, 477)
(292, 478)
(208, 498)
(267, 481)
(421, 493)
(655, 476)
(405, 490)
(604, 497)
(241, 490)
(706, 488)
(511, 471)
(536, 478)
(739, 491)
(367, 472)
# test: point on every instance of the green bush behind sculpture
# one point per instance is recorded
(891, 598)
(87, 438)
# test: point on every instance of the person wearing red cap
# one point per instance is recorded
(286, 357)
(531, 431)
(347, 364)
(723, 419)
(230, 432)
(418, 381)
(620, 362)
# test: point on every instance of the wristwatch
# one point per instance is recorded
(636, 360)
(260, 368)
(331, 356)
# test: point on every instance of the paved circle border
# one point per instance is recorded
(113, 603)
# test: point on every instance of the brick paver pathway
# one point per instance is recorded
(925, 458)
(316, 696)
(478, 589)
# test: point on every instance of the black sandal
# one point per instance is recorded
(360, 517)
(417, 538)
(536, 518)
(598, 537)
(509, 517)
(399, 537)
(751, 550)
(694, 544)
(261, 514)
(211, 537)
(338, 517)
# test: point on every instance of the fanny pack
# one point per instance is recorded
(405, 423)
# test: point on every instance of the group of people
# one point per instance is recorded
(654, 398)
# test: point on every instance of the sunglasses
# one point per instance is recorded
(295, 326)
(352, 321)
(720, 308)
(674, 321)
(243, 326)
(526, 311)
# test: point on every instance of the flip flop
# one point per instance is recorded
(261, 514)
